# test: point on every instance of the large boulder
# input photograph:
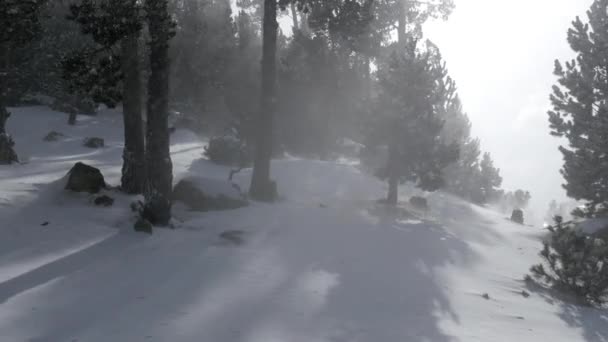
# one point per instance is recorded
(517, 216)
(85, 178)
(205, 194)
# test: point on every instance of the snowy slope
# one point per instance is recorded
(324, 264)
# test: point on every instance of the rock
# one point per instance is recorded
(53, 136)
(203, 194)
(85, 178)
(45, 223)
(233, 237)
(104, 200)
(419, 203)
(525, 293)
(94, 142)
(143, 225)
(517, 216)
(486, 296)
(137, 207)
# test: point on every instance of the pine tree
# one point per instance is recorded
(110, 73)
(262, 188)
(407, 100)
(580, 110)
(574, 262)
(134, 163)
(203, 52)
(159, 175)
(20, 24)
(490, 179)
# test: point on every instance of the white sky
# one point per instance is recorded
(501, 54)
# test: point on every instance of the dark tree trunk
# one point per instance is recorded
(393, 175)
(393, 152)
(159, 173)
(262, 188)
(294, 16)
(402, 22)
(7, 153)
(133, 167)
(368, 76)
(72, 117)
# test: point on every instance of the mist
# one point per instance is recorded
(303, 170)
(502, 54)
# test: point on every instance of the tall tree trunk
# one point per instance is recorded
(159, 173)
(393, 174)
(294, 16)
(393, 151)
(134, 163)
(262, 188)
(402, 22)
(367, 69)
(7, 153)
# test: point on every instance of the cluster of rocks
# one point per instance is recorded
(190, 191)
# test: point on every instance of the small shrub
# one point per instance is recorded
(7, 151)
(228, 150)
(575, 263)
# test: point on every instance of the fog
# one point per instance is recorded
(501, 54)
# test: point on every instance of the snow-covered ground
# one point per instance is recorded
(324, 264)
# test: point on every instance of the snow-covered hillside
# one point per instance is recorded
(324, 264)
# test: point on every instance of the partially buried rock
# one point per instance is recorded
(204, 194)
(517, 216)
(94, 142)
(85, 178)
(419, 203)
(53, 136)
(143, 225)
(104, 201)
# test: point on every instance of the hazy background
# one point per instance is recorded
(501, 54)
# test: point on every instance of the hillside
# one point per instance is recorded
(324, 264)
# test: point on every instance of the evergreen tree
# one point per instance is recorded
(159, 175)
(242, 89)
(490, 179)
(204, 52)
(110, 72)
(134, 163)
(20, 24)
(262, 188)
(580, 110)
(407, 100)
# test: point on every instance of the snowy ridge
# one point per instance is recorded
(326, 264)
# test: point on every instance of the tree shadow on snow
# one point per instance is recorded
(374, 279)
(67, 265)
(591, 320)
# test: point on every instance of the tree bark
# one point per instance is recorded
(368, 76)
(133, 167)
(402, 22)
(159, 169)
(393, 175)
(7, 153)
(262, 188)
(294, 16)
(4, 66)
